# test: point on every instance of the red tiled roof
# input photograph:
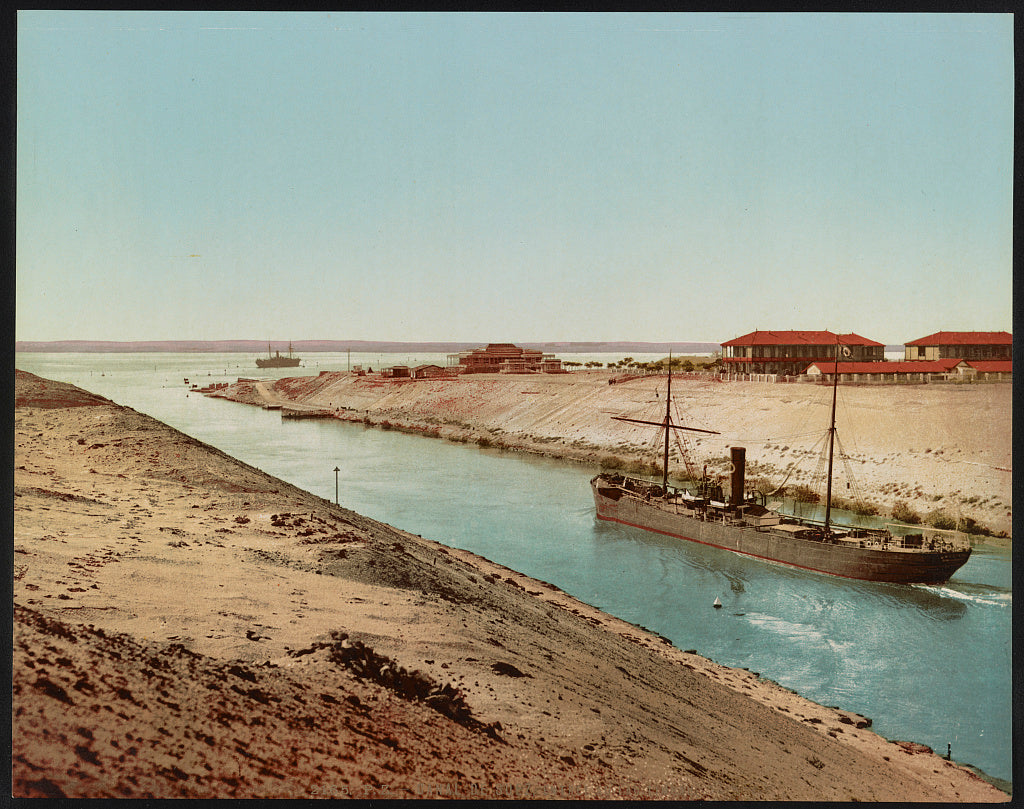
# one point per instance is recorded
(992, 366)
(787, 338)
(965, 338)
(791, 360)
(912, 367)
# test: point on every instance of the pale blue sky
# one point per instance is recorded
(525, 177)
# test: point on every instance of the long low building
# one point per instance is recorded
(952, 369)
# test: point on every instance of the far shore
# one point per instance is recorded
(941, 452)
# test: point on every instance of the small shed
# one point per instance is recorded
(427, 371)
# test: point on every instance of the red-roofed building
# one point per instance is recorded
(505, 358)
(920, 371)
(990, 370)
(951, 369)
(790, 352)
(965, 345)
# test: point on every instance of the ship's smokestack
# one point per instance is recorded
(739, 463)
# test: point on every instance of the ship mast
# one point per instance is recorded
(668, 423)
(831, 440)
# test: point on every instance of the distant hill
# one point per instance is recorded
(360, 346)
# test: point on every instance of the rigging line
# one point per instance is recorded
(789, 472)
(795, 463)
(819, 474)
(775, 437)
(851, 481)
(847, 415)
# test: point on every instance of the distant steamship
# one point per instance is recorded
(275, 360)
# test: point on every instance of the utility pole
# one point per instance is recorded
(336, 470)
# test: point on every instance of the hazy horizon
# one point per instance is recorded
(512, 177)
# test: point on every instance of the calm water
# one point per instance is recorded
(928, 664)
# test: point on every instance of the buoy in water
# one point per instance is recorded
(718, 603)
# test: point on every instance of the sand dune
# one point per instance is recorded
(187, 626)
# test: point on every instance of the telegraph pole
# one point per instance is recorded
(336, 470)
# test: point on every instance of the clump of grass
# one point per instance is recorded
(969, 526)
(643, 468)
(904, 513)
(611, 462)
(803, 494)
(863, 508)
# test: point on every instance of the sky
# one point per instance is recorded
(511, 177)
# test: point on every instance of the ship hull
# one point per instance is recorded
(278, 362)
(868, 564)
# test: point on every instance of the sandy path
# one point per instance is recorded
(186, 625)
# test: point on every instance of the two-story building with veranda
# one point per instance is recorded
(791, 352)
(505, 358)
(963, 345)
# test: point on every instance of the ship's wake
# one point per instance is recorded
(982, 594)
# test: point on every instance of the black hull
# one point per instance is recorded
(901, 566)
(278, 362)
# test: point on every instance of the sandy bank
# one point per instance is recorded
(933, 447)
(187, 626)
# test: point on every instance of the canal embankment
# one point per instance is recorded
(937, 453)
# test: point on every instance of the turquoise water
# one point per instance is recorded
(927, 664)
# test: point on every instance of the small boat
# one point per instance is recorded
(739, 523)
(291, 413)
(718, 603)
(276, 360)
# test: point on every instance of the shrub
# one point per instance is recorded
(904, 513)
(864, 508)
(969, 526)
(940, 519)
(803, 494)
(611, 462)
(643, 468)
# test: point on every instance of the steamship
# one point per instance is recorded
(275, 360)
(739, 523)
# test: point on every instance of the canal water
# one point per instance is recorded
(930, 664)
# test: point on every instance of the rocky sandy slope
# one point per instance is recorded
(934, 447)
(188, 626)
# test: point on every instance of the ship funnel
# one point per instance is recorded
(739, 462)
